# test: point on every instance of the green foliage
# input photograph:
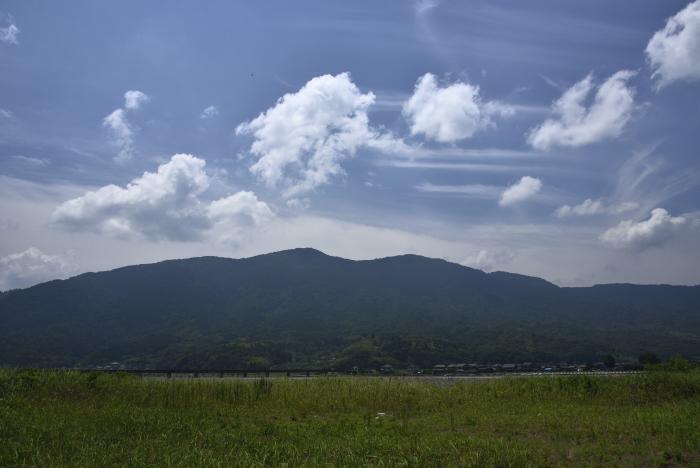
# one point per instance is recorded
(70, 419)
(677, 363)
(301, 308)
(649, 359)
(609, 361)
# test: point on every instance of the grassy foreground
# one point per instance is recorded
(69, 419)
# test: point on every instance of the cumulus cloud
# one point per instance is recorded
(489, 260)
(449, 113)
(9, 31)
(122, 133)
(590, 207)
(578, 124)
(301, 140)
(118, 123)
(209, 112)
(525, 188)
(674, 52)
(23, 269)
(655, 231)
(133, 99)
(164, 205)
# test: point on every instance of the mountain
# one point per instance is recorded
(304, 308)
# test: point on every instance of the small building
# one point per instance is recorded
(387, 369)
(413, 370)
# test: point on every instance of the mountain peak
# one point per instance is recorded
(317, 309)
(299, 252)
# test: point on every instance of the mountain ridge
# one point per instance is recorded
(302, 306)
(323, 254)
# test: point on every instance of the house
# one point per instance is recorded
(456, 368)
(439, 369)
(386, 369)
(413, 370)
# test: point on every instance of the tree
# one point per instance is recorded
(647, 359)
(258, 362)
(678, 364)
(609, 361)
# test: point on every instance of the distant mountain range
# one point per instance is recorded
(302, 308)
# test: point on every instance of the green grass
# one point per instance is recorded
(68, 419)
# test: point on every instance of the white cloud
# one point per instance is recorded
(122, 133)
(23, 269)
(30, 161)
(525, 188)
(209, 113)
(450, 113)
(298, 204)
(470, 190)
(590, 207)
(421, 7)
(674, 51)
(164, 205)
(655, 231)
(122, 130)
(577, 124)
(5, 114)
(235, 216)
(133, 99)
(9, 33)
(489, 260)
(301, 140)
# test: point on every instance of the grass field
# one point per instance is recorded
(69, 419)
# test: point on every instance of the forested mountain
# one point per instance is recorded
(304, 308)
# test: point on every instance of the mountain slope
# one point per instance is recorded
(302, 307)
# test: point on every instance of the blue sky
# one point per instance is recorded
(555, 139)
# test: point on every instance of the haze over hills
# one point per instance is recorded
(304, 308)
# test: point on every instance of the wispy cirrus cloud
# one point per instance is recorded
(651, 180)
(468, 190)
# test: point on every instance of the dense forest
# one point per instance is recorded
(302, 308)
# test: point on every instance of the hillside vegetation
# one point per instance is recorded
(302, 308)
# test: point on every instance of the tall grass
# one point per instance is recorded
(71, 419)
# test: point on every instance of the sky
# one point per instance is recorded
(547, 138)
